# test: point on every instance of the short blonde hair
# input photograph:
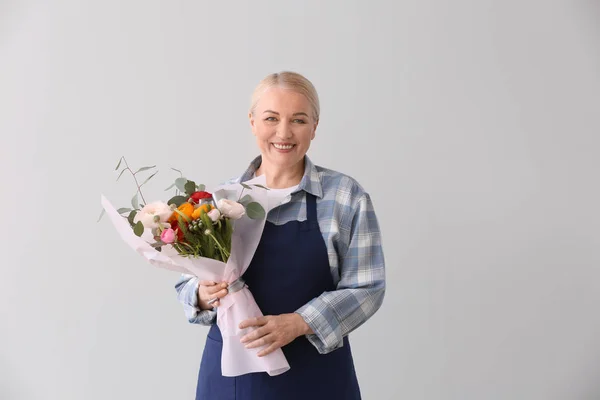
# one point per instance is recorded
(288, 80)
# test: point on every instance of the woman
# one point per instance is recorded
(318, 271)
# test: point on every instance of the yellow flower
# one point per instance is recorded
(204, 208)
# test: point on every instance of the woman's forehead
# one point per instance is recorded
(284, 100)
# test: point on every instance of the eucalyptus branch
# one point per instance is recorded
(181, 175)
(241, 193)
(139, 188)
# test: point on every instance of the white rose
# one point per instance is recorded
(154, 214)
(231, 209)
(214, 215)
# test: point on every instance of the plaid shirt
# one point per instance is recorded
(351, 232)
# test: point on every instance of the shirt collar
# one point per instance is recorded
(310, 183)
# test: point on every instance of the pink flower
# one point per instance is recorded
(168, 236)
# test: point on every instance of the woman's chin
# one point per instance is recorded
(287, 153)
(283, 159)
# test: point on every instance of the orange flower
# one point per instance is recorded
(204, 208)
(186, 208)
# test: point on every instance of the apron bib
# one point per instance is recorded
(290, 268)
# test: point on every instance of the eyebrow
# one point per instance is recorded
(275, 112)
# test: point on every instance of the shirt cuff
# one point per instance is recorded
(202, 317)
(320, 317)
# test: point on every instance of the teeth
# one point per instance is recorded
(283, 146)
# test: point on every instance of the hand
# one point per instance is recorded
(208, 290)
(274, 331)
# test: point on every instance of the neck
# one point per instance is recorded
(281, 177)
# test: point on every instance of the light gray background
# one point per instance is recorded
(473, 124)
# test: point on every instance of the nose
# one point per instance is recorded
(284, 130)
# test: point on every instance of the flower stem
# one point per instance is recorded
(242, 192)
(221, 249)
(189, 246)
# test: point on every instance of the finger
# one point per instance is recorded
(215, 288)
(272, 347)
(207, 283)
(216, 304)
(255, 334)
(218, 292)
(258, 321)
(265, 340)
(210, 299)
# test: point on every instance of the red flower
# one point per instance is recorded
(197, 196)
(175, 227)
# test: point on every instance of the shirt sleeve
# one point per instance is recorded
(187, 294)
(361, 288)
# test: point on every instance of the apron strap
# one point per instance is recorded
(311, 207)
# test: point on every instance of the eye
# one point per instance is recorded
(270, 119)
(300, 121)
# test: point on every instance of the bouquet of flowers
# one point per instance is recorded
(212, 235)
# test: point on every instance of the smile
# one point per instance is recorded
(283, 146)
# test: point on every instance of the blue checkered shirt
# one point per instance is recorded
(351, 232)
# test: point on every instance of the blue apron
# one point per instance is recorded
(290, 268)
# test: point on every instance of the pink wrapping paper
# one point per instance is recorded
(235, 307)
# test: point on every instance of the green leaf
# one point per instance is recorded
(247, 199)
(189, 187)
(148, 178)
(211, 248)
(101, 215)
(123, 210)
(134, 202)
(255, 211)
(125, 169)
(180, 183)
(170, 187)
(131, 216)
(245, 186)
(177, 200)
(144, 169)
(138, 228)
(201, 187)
(119, 164)
(261, 186)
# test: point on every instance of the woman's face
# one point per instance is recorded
(284, 126)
